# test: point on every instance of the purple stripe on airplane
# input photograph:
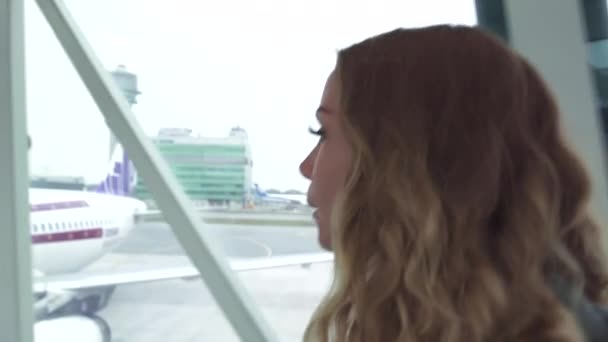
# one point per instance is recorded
(58, 206)
(114, 180)
(121, 178)
(85, 234)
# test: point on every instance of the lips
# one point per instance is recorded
(315, 215)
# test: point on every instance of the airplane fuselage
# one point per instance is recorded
(72, 229)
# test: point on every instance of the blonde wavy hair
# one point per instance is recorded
(462, 198)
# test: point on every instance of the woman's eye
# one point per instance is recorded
(320, 132)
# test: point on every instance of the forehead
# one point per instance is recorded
(330, 97)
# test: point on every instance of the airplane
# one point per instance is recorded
(266, 199)
(71, 229)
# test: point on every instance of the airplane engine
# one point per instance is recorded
(72, 329)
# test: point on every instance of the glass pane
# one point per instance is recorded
(596, 23)
(228, 90)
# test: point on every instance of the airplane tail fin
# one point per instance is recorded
(121, 177)
(258, 191)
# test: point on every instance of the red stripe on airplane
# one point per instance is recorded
(86, 234)
(58, 206)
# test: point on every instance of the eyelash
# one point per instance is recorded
(320, 132)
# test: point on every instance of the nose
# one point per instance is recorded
(307, 164)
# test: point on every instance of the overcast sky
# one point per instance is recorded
(208, 66)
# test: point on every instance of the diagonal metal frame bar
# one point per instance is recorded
(178, 210)
(16, 300)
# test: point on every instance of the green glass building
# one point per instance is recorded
(212, 171)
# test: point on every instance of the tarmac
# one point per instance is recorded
(180, 310)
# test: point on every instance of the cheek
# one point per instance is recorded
(329, 178)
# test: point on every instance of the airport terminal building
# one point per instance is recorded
(212, 171)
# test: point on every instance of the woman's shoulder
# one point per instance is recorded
(592, 317)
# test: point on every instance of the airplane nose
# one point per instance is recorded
(140, 207)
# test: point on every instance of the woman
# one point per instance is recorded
(445, 188)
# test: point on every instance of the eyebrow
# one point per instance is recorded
(322, 110)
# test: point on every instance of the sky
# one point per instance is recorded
(208, 66)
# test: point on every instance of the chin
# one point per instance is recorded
(326, 246)
(325, 241)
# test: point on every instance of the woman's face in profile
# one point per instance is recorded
(327, 165)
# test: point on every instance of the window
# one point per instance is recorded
(238, 110)
(246, 82)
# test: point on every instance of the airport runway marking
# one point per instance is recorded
(264, 246)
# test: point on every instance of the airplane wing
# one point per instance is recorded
(148, 215)
(83, 280)
(303, 218)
